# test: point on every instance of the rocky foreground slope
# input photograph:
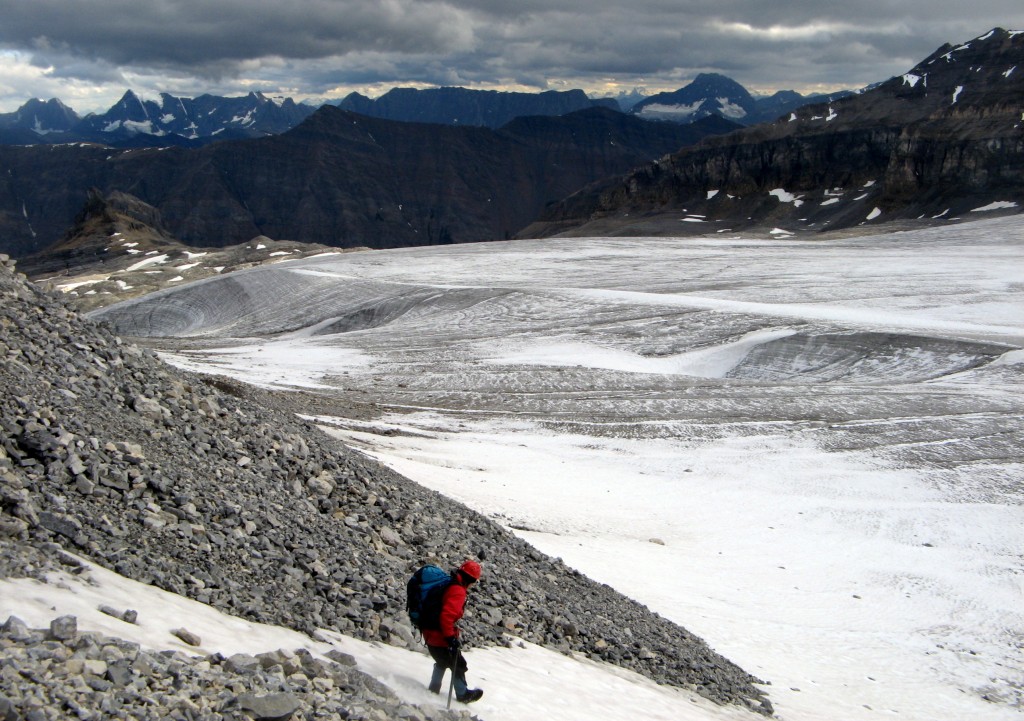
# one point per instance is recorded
(202, 488)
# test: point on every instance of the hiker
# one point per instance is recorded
(443, 643)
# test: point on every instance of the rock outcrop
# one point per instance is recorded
(118, 249)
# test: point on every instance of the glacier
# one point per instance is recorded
(807, 450)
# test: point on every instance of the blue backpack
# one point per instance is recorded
(424, 593)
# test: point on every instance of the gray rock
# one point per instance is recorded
(242, 663)
(64, 628)
(271, 707)
(15, 629)
(120, 673)
(147, 407)
(187, 636)
(12, 526)
(128, 616)
(59, 523)
(343, 658)
(8, 711)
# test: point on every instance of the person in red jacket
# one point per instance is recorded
(444, 645)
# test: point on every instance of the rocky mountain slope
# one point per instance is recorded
(339, 179)
(944, 139)
(215, 491)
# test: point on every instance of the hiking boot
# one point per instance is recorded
(434, 689)
(471, 695)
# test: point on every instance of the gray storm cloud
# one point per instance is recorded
(190, 33)
(309, 46)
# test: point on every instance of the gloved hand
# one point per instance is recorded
(454, 644)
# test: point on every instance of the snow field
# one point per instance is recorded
(810, 570)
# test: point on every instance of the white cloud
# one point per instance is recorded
(780, 33)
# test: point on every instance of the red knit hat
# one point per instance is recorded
(472, 569)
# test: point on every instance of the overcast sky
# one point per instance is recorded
(88, 52)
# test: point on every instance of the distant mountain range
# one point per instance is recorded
(942, 141)
(134, 122)
(193, 122)
(938, 142)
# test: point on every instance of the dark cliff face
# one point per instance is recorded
(945, 138)
(339, 179)
(463, 106)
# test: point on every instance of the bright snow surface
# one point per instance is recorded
(807, 452)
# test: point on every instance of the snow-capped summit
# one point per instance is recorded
(708, 94)
(714, 94)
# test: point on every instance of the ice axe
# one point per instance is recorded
(455, 666)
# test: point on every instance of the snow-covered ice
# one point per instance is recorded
(809, 453)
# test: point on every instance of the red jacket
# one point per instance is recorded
(453, 604)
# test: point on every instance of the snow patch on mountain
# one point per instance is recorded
(785, 196)
(730, 109)
(998, 205)
(674, 111)
(151, 260)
